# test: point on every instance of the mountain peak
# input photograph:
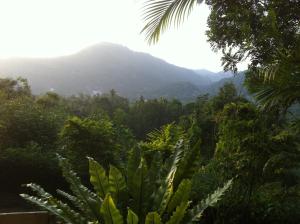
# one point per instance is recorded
(101, 67)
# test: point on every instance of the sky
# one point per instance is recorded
(50, 28)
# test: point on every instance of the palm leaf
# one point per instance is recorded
(276, 85)
(160, 14)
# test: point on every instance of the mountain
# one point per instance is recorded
(101, 68)
(212, 76)
(184, 91)
(237, 80)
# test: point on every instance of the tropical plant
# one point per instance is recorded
(144, 194)
(278, 84)
(159, 15)
(163, 140)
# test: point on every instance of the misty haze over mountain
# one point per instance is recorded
(102, 67)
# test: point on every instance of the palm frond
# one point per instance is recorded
(160, 14)
(277, 84)
(270, 97)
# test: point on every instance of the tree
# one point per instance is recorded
(258, 154)
(89, 137)
(265, 32)
(12, 88)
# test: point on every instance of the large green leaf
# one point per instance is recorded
(179, 213)
(153, 218)
(117, 183)
(155, 172)
(109, 211)
(87, 201)
(47, 202)
(139, 191)
(98, 178)
(132, 218)
(181, 195)
(132, 165)
(188, 164)
(168, 185)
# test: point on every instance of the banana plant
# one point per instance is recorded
(142, 193)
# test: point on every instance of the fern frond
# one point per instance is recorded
(196, 212)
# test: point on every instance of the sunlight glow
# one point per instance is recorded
(48, 28)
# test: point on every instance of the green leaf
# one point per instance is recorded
(98, 178)
(133, 163)
(153, 218)
(132, 218)
(181, 195)
(87, 201)
(47, 202)
(109, 211)
(139, 188)
(166, 197)
(155, 171)
(188, 165)
(179, 213)
(168, 185)
(117, 183)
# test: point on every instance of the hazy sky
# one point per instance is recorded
(47, 28)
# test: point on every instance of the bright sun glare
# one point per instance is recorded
(49, 28)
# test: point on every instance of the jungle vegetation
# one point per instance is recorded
(219, 159)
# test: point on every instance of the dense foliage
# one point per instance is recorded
(221, 138)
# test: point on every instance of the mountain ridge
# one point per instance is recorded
(105, 66)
